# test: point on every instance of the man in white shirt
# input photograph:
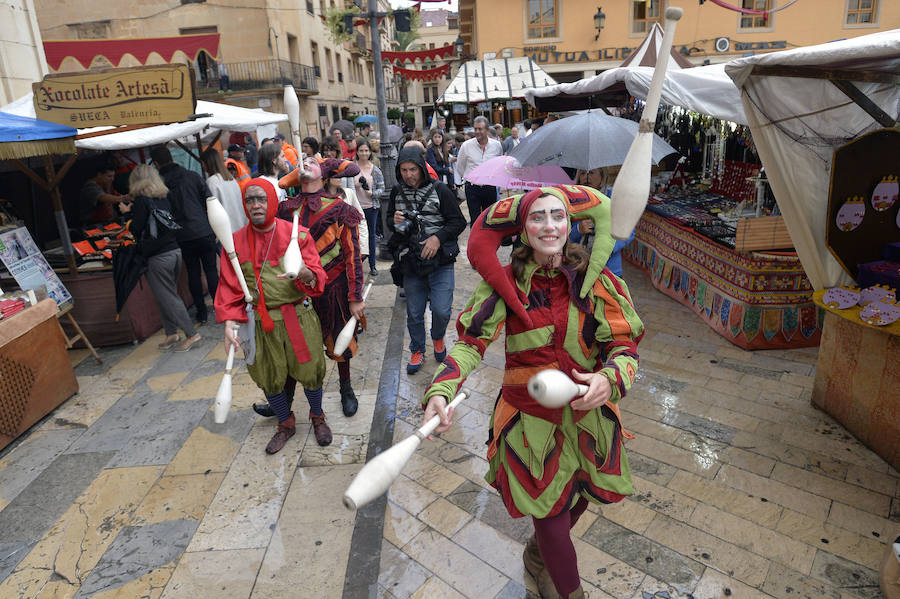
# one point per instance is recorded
(473, 152)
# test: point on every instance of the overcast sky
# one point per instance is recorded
(451, 4)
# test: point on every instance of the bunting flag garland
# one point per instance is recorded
(425, 74)
(413, 55)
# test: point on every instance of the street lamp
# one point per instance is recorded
(599, 22)
(458, 45)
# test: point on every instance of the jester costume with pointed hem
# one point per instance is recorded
(332, 223)
(541, 460)
(288, 335)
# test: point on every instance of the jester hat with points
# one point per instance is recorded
(507, 217)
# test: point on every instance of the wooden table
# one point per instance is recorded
(35, 372)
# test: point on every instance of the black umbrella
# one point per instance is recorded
(129, 266)
(347, 128)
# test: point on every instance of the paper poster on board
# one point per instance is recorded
(24, 261)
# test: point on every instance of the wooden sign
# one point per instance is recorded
(135, 96)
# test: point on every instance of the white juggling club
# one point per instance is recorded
(553, 388)
(346, 334)
(377, 475)
(223, 395)
(293, 260)
(632, 186)
(221, 226)
(292, 108)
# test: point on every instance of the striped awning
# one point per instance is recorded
(645, 54)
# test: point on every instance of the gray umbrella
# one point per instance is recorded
(585, 141)
(395, 133)
(347, 128)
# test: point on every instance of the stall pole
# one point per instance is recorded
(58, 212)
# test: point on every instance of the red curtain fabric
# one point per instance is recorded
(425, 74)
(84, 51)
(413, 55)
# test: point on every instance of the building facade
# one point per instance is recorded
(562, 37)
(22, 60)
(263, 44)
(438, 28)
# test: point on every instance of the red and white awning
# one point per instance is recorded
(114, 50)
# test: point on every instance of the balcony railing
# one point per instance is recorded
(261, 74)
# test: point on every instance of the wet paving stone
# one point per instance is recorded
(650, 469)
(11, 554)
(647, 556)
(43, 501)
(655, 382)
(700, 426)
(136, 551)
(111, 357)
(774, 374)
(162, 435)
(486, 505)
(515, 590)
(844, 575)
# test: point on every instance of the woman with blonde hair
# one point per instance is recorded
(223, 186)
(157, 244)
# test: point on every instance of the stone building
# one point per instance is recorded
(263, 44)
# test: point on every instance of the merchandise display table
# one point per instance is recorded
(756, 300)
(35, 372)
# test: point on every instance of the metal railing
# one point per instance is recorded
(260, 74)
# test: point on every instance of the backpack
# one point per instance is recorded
(161, 220)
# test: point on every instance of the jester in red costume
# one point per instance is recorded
(286, 331)
(560, 308)
(333, 225)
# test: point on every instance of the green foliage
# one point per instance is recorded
(394, 113)
(334, 23)
(507, 132)
(409, 116)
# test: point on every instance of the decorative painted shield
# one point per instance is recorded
(841, 297)
(851, 214)
(880, 313)
(885, 194)
(875, 293)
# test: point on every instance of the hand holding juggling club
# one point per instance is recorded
(343, 339)
(632, 186)
(223, 396)
(221, 226)
(293, 260)
(553, 389)
(377, 475)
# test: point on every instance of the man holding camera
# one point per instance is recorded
(425, 220)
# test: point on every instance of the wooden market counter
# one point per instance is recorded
(95, 308)
(858, 379)
(755, 300)
(35, 372)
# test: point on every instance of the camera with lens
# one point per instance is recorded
(410, 225)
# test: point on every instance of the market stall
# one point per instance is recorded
(35, 373)
(91, 282)
(824, 119)
(711, 246)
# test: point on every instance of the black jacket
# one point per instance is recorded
(140, 215)
(187, 194)
(454, 223)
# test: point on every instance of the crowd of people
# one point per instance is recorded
(562, 255)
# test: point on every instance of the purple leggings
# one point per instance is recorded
(556, 547)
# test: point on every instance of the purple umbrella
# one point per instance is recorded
(506, 172)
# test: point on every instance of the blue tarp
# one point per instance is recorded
(20, 128)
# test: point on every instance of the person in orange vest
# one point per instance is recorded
(235, 164)
(290, 152)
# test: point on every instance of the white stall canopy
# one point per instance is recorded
(222, 117)
(497, 78)
(798, 115)
(707, 90)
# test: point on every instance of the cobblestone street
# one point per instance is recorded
(743, 488)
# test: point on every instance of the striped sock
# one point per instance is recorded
(314, 398)
(280, 405)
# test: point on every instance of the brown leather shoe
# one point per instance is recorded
(320, 429)
(285, 431)
(532, 558)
